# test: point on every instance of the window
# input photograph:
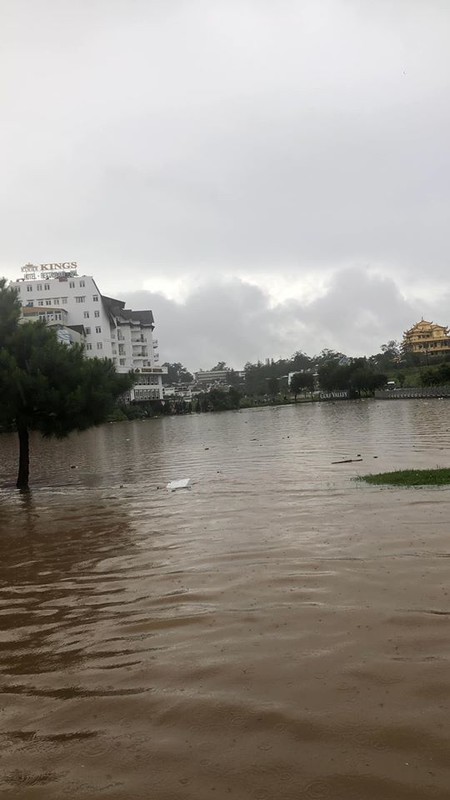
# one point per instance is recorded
(71, 284)
(56, 301)
(98, 329)
(64, 301)
(47, 287)
(80, 299)
(39, 287)
(122, 362)
(88, 330)
(95, 298)
(86, 315)
(40, 302)
(88, 346)
(48, 302)
(82, 283)
(99, 345)
(29, 288)
(96, 313)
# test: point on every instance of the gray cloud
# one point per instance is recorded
(236, 322)
(236, 139)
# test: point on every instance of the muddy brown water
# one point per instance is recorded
(277, 631)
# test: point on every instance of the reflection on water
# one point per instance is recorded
(278, 631)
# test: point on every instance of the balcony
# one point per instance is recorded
(140, 354)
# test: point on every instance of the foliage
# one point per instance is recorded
(258, 375)
(388, 358)
(357, 377)
(326, 356)
(437, 376)
(9, 312)
(299, 361)
(302, 381)
(273, 386)
(234, 379)
(46, 386)
(217, 400)
(52, 388)
(176, 373)
(410, 477)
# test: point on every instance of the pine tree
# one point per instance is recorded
(46, 386)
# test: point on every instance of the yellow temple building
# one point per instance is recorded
(427, 338)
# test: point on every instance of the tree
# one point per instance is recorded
(234, 379)
(326, 356)
(176, 373)
(9, 312)
(273, 387)
(302, 381)
(299, 361)
(389, 357)
(364, 381)
(355, 377)
(436, 377)
(46, 386)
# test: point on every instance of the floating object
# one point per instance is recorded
(183, 483)
(347, 461)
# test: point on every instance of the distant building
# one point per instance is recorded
(182, 392)
(74, 304)
(427, 338)
(211, 376)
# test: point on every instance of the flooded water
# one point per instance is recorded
(277, 631)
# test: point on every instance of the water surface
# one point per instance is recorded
(277, 631)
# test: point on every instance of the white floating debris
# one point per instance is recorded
(183, 483)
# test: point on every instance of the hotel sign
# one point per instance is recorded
(52, 270)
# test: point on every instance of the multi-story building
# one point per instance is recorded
(106, 327)
(427, 338)
(212, 376)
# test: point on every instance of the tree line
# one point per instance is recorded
(330, 370)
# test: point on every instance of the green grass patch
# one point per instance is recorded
(410, 477)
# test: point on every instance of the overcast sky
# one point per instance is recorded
(267, 175)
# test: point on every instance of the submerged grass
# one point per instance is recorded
(410, 477)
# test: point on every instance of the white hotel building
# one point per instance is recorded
(66, 300)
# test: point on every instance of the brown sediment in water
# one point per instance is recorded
(277, 631)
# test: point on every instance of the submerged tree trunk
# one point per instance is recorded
(24, 457)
